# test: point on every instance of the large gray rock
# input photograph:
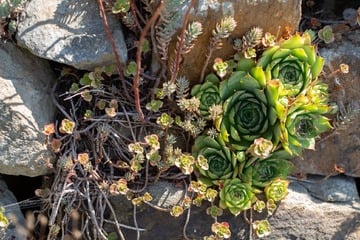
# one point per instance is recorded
(334, 189)
(70, 32)
(25, 106)
(16, 228)
(302, 215)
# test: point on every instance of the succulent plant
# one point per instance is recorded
(276, 190)
(263, 171)
(236, 196)
(249, 108)
(262, 228)
(208, 93)
(220, 162)
(294, 62)
(304, 122)
(326, 34)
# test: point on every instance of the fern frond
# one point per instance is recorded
(129, 21)
(345, 116)
(193, 31)
(252, 38)
(222, 30)
(182, 87)
(167, 26)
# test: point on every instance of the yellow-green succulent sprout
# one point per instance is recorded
(236, 196)
(261, 228)
(249, 108)
(326, 34)
(261, 148)
(208, 93)
(294, 62)
(263, 171)
(220, 162)
(277, 190)
(221, 230)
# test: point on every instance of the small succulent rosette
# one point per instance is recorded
(277, 190)
(208, 93)
(236, 196)
(214, 159)
(249, 108)
(294, 61)
(261, 172)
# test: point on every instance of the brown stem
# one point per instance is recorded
(138, 59)
(178, 58)
(119, 61)
(208, 56)
(133, 10)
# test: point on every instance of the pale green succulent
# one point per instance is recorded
(294, 62)
(236, 196)
(277, 190)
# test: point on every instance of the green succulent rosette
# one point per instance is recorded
(261, 172)
(221, 164)
(276, 190)
(236, 196)
(303, 123)
(208, 93)
(294, 62)
(249, 108)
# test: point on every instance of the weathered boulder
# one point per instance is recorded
(302, 215)
(70, 32)
(25, 106)
(16, 228)
(339, 150)
(269, 15)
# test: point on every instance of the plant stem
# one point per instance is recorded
(138, 59)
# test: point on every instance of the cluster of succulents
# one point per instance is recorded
(264, 111)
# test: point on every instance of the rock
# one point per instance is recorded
(16, 228)
(340, 150)
(332, 189)
(70, 32)
(269, 15)
(299, 216)
(25, 106)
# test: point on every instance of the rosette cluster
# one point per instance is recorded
(267, 111)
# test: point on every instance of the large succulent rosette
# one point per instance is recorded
(236, 196)
(294, 62)
(249, 108)
(208, 93)
(263, 171)
(220, 162)
(304, 122)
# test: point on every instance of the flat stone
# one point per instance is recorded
(299, 216)
(70, 32)
(340, 150)
(25, 106)
(332, 189)
(16, 228)
(269, 15)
